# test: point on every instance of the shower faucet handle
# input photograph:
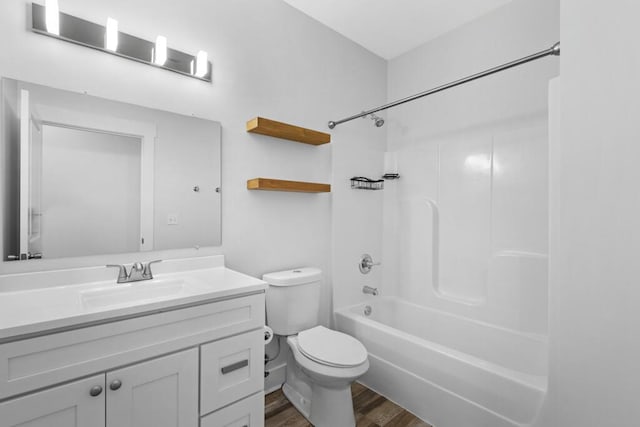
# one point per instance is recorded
(366, 262)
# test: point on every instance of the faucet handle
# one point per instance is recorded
(122, 273)
(365, 264)
(147, 269)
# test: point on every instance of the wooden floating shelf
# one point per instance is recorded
(286, 131)
(282, 185)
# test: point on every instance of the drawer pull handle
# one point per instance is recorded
(115, 384)
(95, 390)
(234, 366)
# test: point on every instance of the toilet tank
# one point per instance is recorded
(293, 300)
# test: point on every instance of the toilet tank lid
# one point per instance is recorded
(297, 276)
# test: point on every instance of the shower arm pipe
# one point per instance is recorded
(552, 51)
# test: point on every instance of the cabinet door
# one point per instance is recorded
(162, 392)
(78, 404)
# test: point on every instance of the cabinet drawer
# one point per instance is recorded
(248, 412)
(43, 361)
(231, 369)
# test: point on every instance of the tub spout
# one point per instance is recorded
(369, 290)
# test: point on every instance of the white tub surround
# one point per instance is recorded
(181, 349)
(420, 357)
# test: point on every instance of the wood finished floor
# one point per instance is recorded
(371, 409)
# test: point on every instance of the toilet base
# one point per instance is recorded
(330, 407)
(302, 404)
(323, 401)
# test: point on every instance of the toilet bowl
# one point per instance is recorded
(330, 378)
(321, 364)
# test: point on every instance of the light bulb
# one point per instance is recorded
(52, 17)
(111, 36)
(160, 51)
(202, 65)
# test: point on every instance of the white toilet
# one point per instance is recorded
(322, 363)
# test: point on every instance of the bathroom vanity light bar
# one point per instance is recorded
(49, 21)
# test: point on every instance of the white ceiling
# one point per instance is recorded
(389, 28)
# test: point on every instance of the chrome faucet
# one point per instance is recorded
(369, 290)
(138, 271)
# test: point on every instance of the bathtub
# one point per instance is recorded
(449, 370)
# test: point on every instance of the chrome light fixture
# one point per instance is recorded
(49, 21)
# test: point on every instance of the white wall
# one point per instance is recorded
(595, 218)
(357, 214)
(268, 59)
(478, 153)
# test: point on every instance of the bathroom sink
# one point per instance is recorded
(135, 292)
(37, 302)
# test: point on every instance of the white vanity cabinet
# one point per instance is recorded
(160, 392)
(161, 369)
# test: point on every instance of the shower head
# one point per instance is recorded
(377, 120)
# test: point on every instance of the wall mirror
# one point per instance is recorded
(83, 175)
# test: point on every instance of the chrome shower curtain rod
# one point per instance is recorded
(552, 51)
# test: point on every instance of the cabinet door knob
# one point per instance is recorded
(115, 384)
(95, 390)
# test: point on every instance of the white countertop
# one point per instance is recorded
(38, 310)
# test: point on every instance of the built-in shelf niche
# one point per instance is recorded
(269, 184)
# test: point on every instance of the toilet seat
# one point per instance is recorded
(331, 348)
